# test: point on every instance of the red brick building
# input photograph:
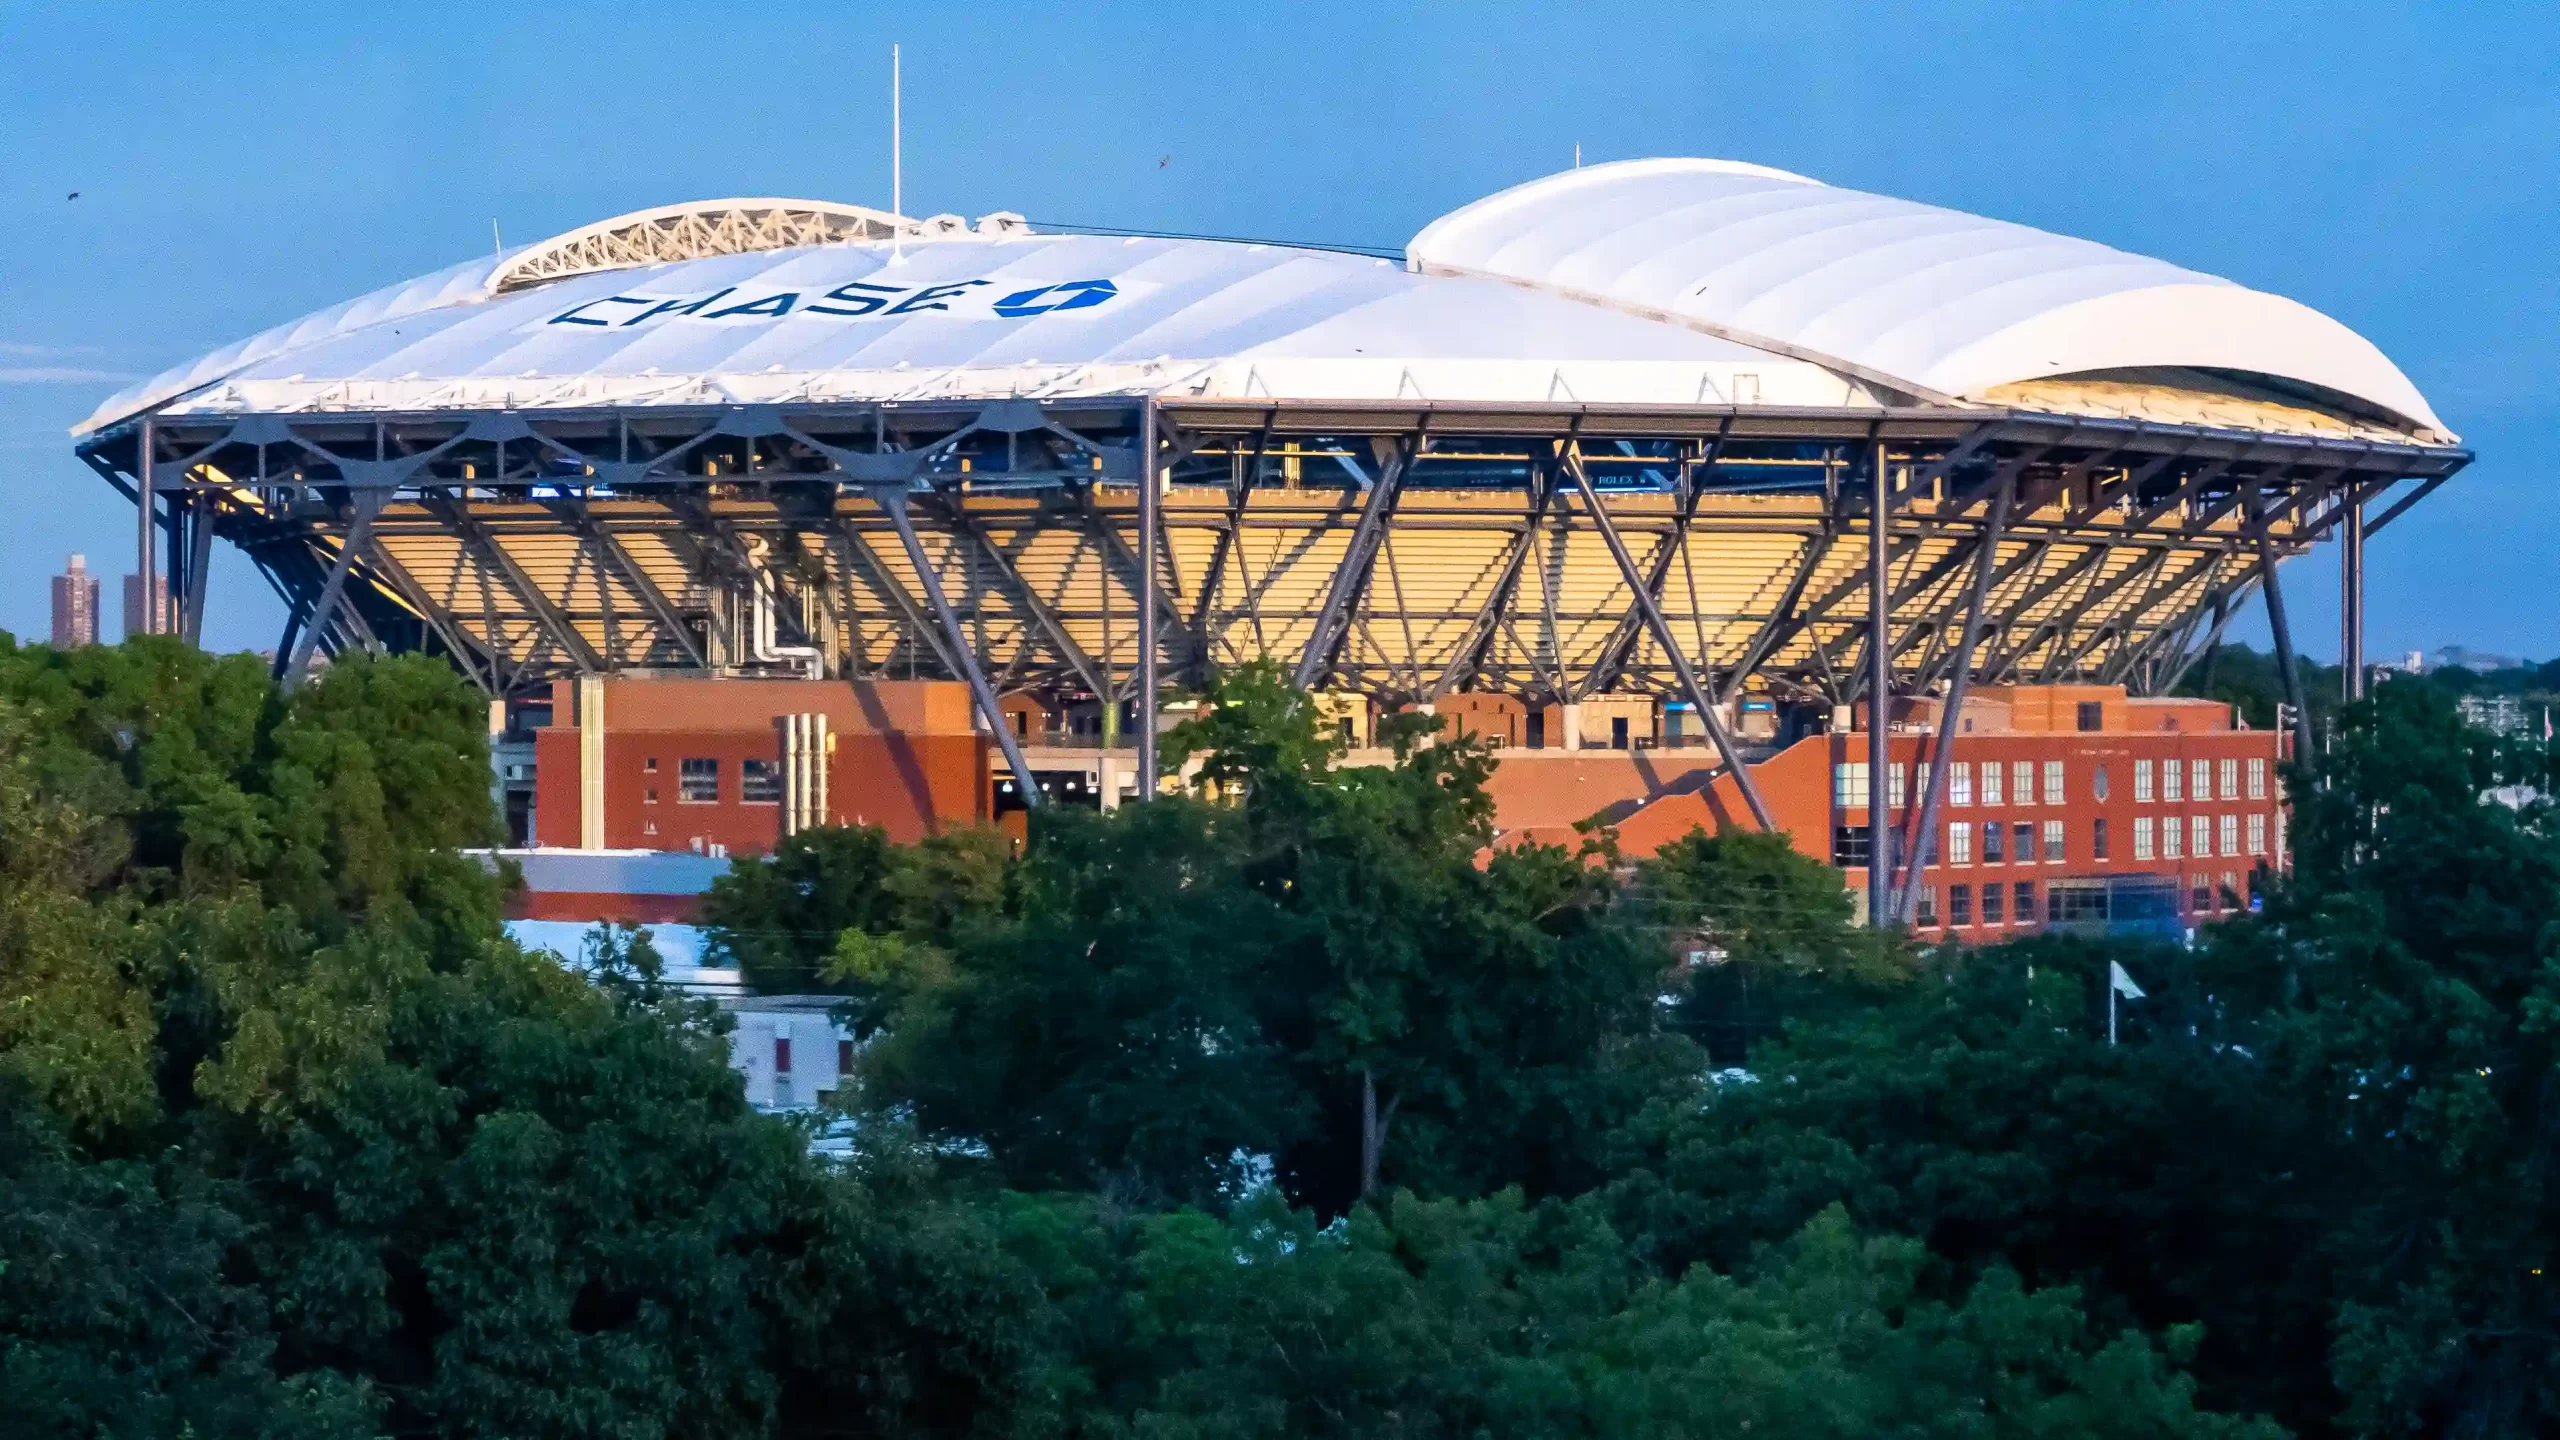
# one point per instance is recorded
(2064, 803)
(724, 766)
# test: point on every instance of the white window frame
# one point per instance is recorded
(2053, 844)
(2173, 838)
(2022, 782)
(2173, 781)
(2200, 780)
(1960, 842)
(2257, 832)
(1849, 785)
(2145, 838)
(2257, 777)
(1993, 777)
(2200, 835)
(1960, 783)
(2229, 787)
(2230, 830)
(2053, 791)
(2142, 782)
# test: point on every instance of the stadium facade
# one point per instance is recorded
(1731, 446)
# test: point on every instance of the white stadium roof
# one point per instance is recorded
(1672, 282)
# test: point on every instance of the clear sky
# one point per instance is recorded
(238, 166)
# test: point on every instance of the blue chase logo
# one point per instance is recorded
(853, 300)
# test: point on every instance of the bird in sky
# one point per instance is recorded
(74, 195)
(1164, 162)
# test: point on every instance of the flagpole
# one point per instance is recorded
(2111, 1010)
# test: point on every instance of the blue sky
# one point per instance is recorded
(236, 167)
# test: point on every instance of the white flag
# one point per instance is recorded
(2122, 983)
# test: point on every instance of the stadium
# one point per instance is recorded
(1720, 453)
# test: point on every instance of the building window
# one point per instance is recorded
(1991, 904)
(1994, 848)
(1849, 849)
(2257, 834)
(2143, 848)
(2173, 781)
(2053, 904)
(698, 782)
(2093, 716)
(2230, 834)
(2230, 779)
(2200, 835)
(1960, 843)
(2200, 894)
(1896, 782)
(1959, 787)
(2098, 838)
(2200, 779)
(844, 1060)
(2022, 781)
(760, 782)
(1960, 905)
(2230, 893)
(2022, 842)
(2053, 842)
(649, 796)
(2142, 782)
(650, 765)
(2257, 777)
(2022, 897)
(2173, 837)
(1991, 782)
(2098, 783)
(1927, 914)
(781, 1054)
(1849, 785)
(2053, 782)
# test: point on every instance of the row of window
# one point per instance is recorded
(2014, 903)
(698, 782)
(2203, 779)
(2020, 782)
(2029, 842)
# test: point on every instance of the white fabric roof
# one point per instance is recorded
(1095, 315)
(1910, 295)
(1667, 282)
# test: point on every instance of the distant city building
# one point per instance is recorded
(2470, 659)
(133, 606)
(75, 605)
(2498, 714)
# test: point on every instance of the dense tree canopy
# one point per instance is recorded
(1295, 1106)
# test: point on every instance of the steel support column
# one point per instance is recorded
(1150, 526)
(145, 498)
(2283, 638)
(2351, 597)
(367, 504)
(1699, 699)
(1987, 560)
(1879, 687)
(895, 503)
(1351, 577)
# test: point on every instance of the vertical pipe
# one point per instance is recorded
(1879, 689)
(821, 812)
(146, 566)
(1150, 524)
(2351, 597)
(790, 776)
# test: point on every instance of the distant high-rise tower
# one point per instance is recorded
(75, 605)
(134, 612)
